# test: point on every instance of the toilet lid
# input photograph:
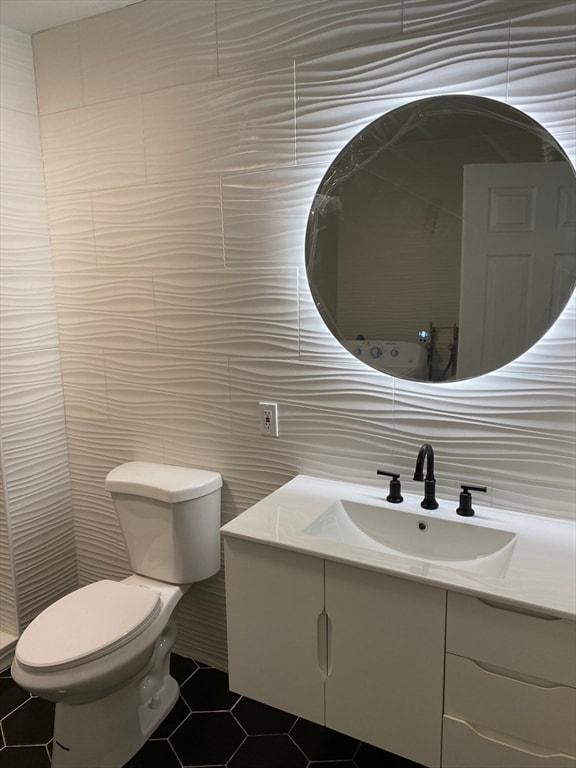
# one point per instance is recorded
(87, 624)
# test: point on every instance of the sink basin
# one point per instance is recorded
(409, 534)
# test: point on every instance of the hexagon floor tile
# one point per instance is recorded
(209, 727)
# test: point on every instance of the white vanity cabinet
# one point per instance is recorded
(334, 617)
(510, 696)
(358, 651)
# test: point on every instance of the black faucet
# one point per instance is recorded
(426, 452)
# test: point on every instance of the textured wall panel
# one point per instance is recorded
(71, 224)
(221, 125)
(255, 33)
(31, 387)
(17, 87)
(94, 147)
(264, 216)
(351, 414)
(338, 93)
(58, 69)
(103, 311)
(8, 613)
(168, 393)
(37, 559)
(37, 484)
(24, 234)
(228, 312)
(159, 226)
(84, 383)
(438, 14)
(27, 314)
(534, 61)
(144, 49)
(20, 155)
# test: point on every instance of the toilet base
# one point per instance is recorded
(106, 733)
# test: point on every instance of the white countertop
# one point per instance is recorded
(536, 572)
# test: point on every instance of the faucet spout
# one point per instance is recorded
(426, 453)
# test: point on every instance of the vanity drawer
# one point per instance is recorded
(541, 646)
(465, 747)
(528, 710)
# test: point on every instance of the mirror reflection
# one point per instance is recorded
(441, 243)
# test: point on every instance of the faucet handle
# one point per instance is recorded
(465, 505)
(395, 495)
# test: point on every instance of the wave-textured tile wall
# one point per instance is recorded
(37, 558)
(178, 193)
(8, 614)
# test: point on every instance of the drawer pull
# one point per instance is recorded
(517, 609)
(509, 741)
(537, 682)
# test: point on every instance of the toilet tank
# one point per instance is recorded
(170, 519)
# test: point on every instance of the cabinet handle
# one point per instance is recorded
(517, 609)
(324, 639)
(507, 674)
(506, 740)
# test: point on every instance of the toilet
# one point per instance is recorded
(102, 652)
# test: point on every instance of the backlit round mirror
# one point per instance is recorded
(441, 243)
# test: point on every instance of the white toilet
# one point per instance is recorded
(102, 653)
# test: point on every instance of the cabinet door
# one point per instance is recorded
(386, 661)
(275, 606)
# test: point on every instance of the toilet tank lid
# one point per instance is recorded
(162, 482)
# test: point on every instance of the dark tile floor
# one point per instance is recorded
(209, 727)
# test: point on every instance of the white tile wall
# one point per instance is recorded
(182, 145)
(147, 49)
(96, 147)
(58, 76)
(17, 89)
(228, 313)
(20, 154)
(72, 241)
(8, 612)
(255, 33)
(156, 226)
(106, 311)
(37, 555)
(220, 125)
(262, 215)
(536, 61)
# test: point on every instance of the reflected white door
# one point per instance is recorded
(518, 258)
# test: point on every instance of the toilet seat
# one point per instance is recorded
(86, 624)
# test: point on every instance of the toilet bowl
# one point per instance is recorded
(102, 652)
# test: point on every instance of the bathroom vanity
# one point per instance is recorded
(449, 641)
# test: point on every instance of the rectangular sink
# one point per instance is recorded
(409, 534)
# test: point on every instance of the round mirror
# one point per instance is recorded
(441, 243)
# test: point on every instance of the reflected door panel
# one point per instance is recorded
(518, 246)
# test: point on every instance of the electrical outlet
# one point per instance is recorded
(268, 419)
